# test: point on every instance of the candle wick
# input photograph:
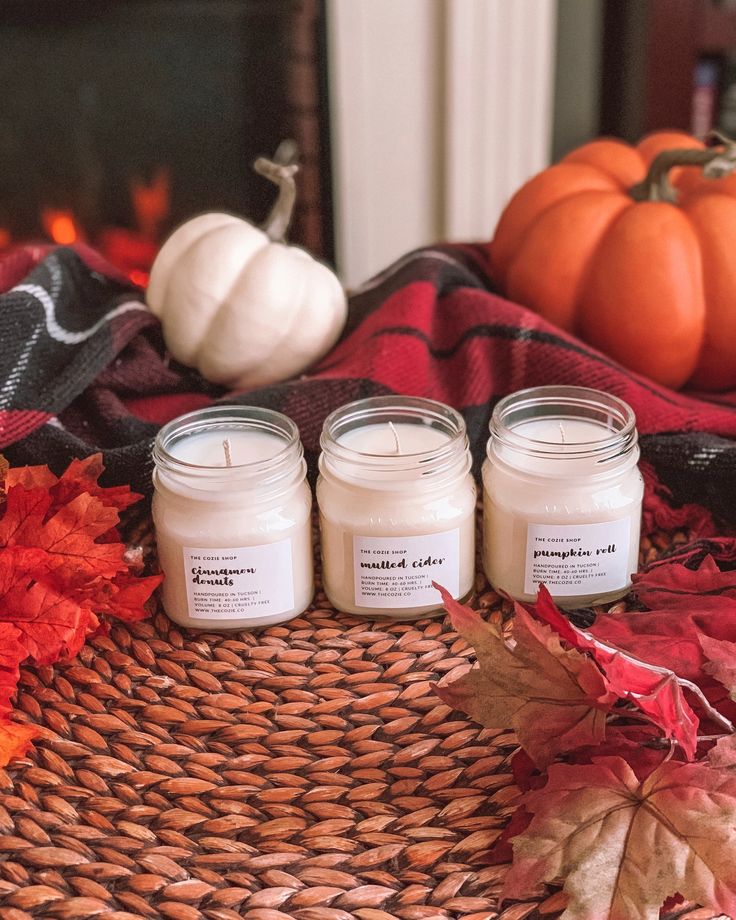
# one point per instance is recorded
(562, 433)
(396, 437)
(226, 451)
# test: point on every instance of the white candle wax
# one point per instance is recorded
(393, 518)
(232, 516)
(397, 438)
(562, 505)
(245, 446)
(551, 431)
(556, 437)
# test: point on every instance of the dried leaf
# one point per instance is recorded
(502, 851)
(623, 846)
(723, 752)
(674, 586)
(687, 604)
(721, 662)
(555, 699)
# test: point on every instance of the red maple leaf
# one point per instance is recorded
(673, 586)
(687, 604)
(24, 512)
(52, 624)
(655, 690)
(30, 477)
(80, 478)
(12, 652)
(123, 597)
(70, 538)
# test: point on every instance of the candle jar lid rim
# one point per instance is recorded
(433, 467)
(571, 403)
(235, 417)
(416, 410)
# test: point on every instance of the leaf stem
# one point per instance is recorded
(711, 711)
(632, 713)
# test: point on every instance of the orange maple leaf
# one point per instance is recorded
(12, 652)
(624, 846)
(79, 477)
(15, 740)
(70, 536)
(62, 567)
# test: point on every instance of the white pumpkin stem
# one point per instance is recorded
(279, 219)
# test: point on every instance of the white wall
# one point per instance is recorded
(440, 109)
(385, 86)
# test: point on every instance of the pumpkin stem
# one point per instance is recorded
(277, 222)
(716, 162)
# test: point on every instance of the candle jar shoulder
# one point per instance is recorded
(561, 498)
(412, 510)
(238, 516)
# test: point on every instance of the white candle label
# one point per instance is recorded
(577, 558)
(232, 584)
(399, 571)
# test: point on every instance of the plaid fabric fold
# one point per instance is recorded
(83, 368)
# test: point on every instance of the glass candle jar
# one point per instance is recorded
(231, 510)
(396, 501)
(562, 495)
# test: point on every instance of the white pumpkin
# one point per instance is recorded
(239, 304)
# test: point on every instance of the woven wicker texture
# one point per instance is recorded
(307, 771)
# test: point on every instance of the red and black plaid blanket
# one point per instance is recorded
(83, 368)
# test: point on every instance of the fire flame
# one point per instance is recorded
(131, 251)
(151, 202)
(61, 226)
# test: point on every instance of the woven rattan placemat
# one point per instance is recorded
(306, 771)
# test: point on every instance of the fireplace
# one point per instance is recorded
(122, 119)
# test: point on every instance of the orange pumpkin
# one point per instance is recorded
(637, 262)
